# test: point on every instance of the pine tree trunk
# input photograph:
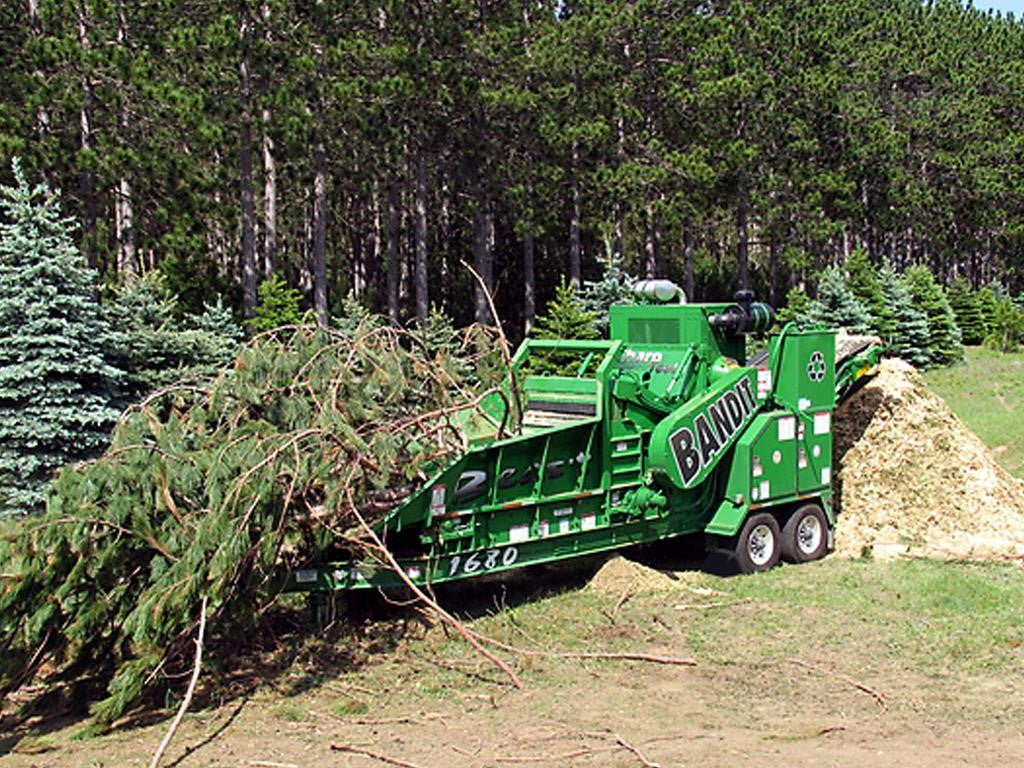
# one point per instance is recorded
(620, 206)
(742, 241)
(269, 199)
(529, 287)
(393, 252)
(42, 116)
(357, 234)
(320, 233)
(652, 243)
(420, 268)
(124, 211)
(269, 170)
(483, 258)
(688, 246)
(86, 180)
(376, 249)
(574, 222)
(248, 252)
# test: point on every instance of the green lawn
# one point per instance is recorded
(987, 392)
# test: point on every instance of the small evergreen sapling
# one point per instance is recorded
(57, 390)
(1006, 328)
(565, 318)
(276, 305)
(614, 287)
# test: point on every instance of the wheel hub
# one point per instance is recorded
(808, 534)
(761, 544)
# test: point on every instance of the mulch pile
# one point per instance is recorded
(914, 480)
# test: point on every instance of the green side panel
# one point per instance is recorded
(688, 443)
(773, 459)
(814, 461)
(804, 369)
(655, 330)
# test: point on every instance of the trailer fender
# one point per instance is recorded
(727, 520)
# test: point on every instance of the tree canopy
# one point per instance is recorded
(370, 148)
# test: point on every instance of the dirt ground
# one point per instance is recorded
(818, 702)
(711, 716)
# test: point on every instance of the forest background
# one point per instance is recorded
(370, 147)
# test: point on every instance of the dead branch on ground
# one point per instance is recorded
(158, 755)
(375, 755)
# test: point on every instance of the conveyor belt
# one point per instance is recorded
(851, 345)
(847, 346)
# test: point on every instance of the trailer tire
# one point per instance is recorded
(758, 544)
(805, 535)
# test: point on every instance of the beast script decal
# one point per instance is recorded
(713, 428)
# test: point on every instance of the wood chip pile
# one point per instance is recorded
(913, 479)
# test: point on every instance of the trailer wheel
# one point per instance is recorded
(757, 546)
(805, 535)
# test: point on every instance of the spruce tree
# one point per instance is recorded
(943, 333)
(798, 303)
(614, 287)
(57, 390)
(988, 303)
(837, 306)
(566, 317)
(862, 278)
(155, 348)
(277, 305)
(967, 311)
(902, 325)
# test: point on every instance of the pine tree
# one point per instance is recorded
(902, 325)
(862, 278)
(967, 310)
(943, 333)
(836, 305)
(614, 287)
(57, 390)
(1006, 327)
(798, 303)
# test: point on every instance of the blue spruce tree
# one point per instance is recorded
(836, 305)
(56, 388)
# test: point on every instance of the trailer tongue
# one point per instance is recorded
(664, 430)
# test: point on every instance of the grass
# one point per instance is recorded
(987, 392)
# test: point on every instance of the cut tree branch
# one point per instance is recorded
(158, 755)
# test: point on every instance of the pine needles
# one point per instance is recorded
(217, 490)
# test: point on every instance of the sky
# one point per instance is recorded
(1017, 6)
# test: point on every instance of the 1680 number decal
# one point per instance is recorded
(484, 560)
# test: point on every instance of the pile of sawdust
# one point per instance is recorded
(912, 478)
(621, 576)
